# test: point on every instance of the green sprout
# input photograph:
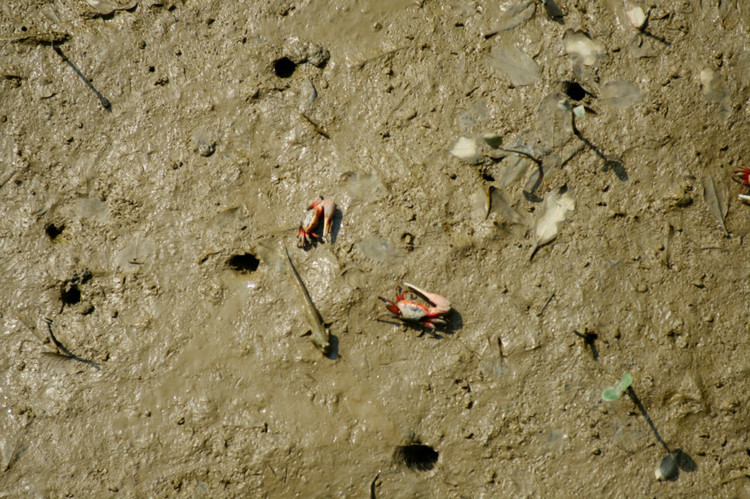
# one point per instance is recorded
(615, 392)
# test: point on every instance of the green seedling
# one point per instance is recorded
(615, 392)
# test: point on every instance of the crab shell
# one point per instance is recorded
(309, 223)
(410, 311)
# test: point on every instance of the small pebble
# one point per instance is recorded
(206, 148)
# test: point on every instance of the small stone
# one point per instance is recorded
(205, 148)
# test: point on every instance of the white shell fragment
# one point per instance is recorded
(635, 15)
(517, 66)
(583, 49)
(465, 149)
(553, 213)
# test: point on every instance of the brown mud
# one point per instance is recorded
(149, 234)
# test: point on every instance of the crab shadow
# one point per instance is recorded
(336, 221)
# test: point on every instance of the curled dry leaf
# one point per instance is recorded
(716, 200)
(554, 212)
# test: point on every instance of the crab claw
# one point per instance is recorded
(742, 175)
(328, 207)
(441, 303)
(392, 307)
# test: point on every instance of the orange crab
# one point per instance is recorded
(306, 233)
(418, 313)
(742, 175)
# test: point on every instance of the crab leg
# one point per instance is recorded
(441, 303)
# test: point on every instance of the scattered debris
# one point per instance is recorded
(466, 149)
(635, 15)
(65, 351)
(716, 200)
(716, 90)
(513, 16)
(667, 468)
(582, 49)
(498, 204)
(105, 7)
(554, 212)
(553, 10)
(102, 100)
(319, 334)
(666, 255)
(517, 66)
(615, 392)
(554, 122)
(620, 94)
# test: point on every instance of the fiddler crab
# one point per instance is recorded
(742, 175)
(418, 313)
(306, 234)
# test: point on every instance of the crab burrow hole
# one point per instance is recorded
(417, 457)
(53, 230)
(284, 67)
(70, 294)
(245, 262)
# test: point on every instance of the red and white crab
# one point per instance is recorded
(306, 233)
(411, 311)
(742, 175)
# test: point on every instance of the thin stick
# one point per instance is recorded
(65, 350)
(541, 310)
(103, 100)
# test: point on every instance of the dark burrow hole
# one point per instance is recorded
(417, 456)
(53, 230)
(284, 68)
(243, 263)
(70, 294)
(574, 90)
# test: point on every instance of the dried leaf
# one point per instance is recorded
(512, 16)
(499, 205)
(519, 67)
(554, 212)
(621, 94)
(582, 49)
(716, 200)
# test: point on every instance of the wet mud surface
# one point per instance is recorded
(150, 233)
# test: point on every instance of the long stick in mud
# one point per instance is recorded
(65, 350)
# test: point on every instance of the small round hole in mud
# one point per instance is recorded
(243, 263)
(284, 67)
(574, 90)
(70, 294)
(53, 230)
(417, 456)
